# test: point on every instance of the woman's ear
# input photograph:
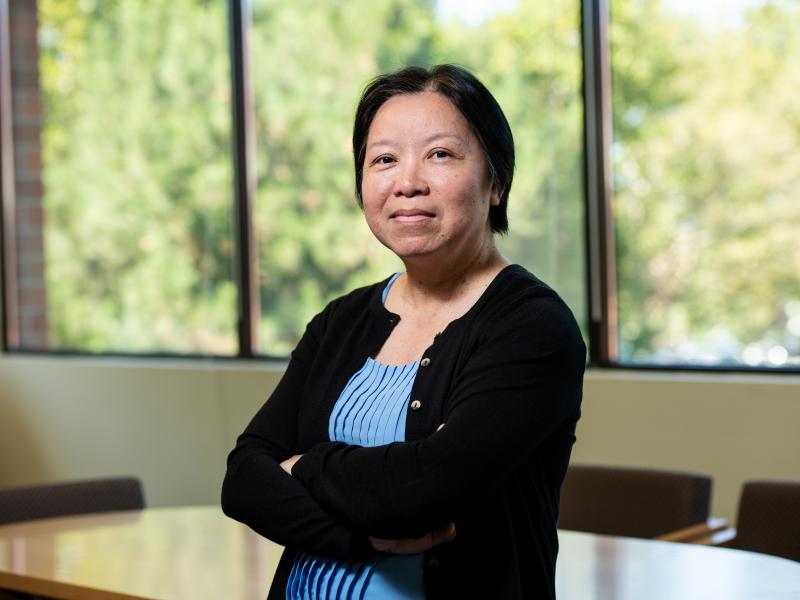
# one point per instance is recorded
(494, 198)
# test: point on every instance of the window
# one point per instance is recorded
(121, 177)
(310, 60)
(177, 177)
(706, 164)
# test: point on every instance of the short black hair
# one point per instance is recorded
(470, 97)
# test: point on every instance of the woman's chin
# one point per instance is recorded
(416, 250)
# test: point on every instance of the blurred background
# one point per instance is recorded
(135, 187)
(120, 234)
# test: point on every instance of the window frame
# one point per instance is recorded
(599, 237)
(599, 197)
(9, 319)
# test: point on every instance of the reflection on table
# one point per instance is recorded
(198, 553)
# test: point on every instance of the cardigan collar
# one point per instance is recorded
(383, 314)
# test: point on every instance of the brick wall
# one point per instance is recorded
(26, 109)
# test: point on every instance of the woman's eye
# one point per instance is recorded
(440, 154)
(383, 160)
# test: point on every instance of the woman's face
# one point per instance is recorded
(426, 186)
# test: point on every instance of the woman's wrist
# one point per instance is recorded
(287, 464)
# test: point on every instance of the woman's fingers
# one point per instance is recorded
(415, 545)
(382, 545)
(443, 534)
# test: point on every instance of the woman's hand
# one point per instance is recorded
(415, 546)
(289, 463)
(404, 546)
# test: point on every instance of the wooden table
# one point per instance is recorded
(197, 553)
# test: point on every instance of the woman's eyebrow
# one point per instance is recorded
(442, 135)
(382, 142)
(431, 138)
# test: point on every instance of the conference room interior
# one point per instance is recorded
(176, 185)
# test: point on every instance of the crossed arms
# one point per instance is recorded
(520, 385)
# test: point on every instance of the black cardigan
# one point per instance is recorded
(506, 380)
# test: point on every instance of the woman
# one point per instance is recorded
(417, 442)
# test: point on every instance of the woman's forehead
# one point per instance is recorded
(428, 113)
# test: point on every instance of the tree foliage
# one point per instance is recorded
(139, 188)
(313, 240)
(707, 172)
(137, 175)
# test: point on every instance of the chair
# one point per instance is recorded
(632, 502)
(70, 498)
(768, 519)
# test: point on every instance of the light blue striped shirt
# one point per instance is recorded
(370, 411)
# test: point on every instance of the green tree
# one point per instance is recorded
(136, 148)
(310, 62)
(706, 125)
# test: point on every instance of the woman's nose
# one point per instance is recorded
(410, 182)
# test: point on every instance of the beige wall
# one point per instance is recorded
(172, 422)
(733, 427)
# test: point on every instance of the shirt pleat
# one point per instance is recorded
(377, 404)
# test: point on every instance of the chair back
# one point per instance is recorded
(642, 503)
(70, 498)
(768, 520)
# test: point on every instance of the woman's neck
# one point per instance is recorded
(431, 295)
(430, 280)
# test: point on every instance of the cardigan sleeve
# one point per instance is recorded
(260, 494)
(520, 384)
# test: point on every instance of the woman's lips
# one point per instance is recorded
(411, 215)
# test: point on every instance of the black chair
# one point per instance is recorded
(632, 502)
(65, 499)
(768, 519)
(70, 498)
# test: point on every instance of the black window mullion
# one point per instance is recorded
(244, 176)
(600, 240)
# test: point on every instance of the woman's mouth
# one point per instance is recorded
(411, 215)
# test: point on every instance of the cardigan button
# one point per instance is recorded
(433, 564)
(425, 362)
(416, 405)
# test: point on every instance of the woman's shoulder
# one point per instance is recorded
(515, 286)
(357, 300)
(518, 299)
(348, 311)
